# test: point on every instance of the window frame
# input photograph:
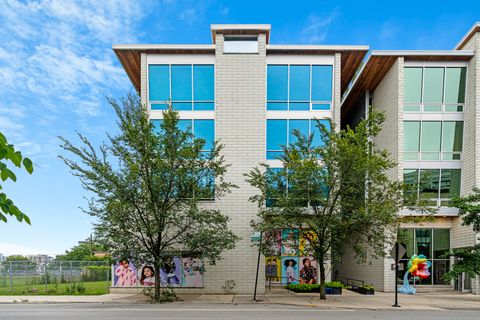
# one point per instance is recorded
(310, 123)
(432, 259)
(442, 153)
(193, 101)
(438, 200)
(192, 126)
(310, 102)
(421, 104)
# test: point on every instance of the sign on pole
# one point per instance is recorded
(401, 252)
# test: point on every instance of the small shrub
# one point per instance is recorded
(167, 294)
(81, 288)
(334, 284)
(313, 287)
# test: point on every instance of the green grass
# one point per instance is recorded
(80, 288)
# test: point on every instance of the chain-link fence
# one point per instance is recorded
(54, 278)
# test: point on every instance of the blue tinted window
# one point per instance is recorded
(157, 125)
(158, 83)
(203, 82)
(159, 106)
(299, 106)
(185, 125)
(207, 183)
(300, 125)
(322, 83)
(321, 106)
(300, 83)
(277, 105)
(205, 129)
(274, 186)
(315, 130)
(203, 106)
(276, 137)
(181, 106)
(277, 82)
(181, 83)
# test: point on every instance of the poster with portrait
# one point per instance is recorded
(125, 274)
(171, 272)
(305, 247)
(193, 270)
(273, 241)
(290, 242)
(146, 275)
(273, 269)
(308, 270)
(290, 270)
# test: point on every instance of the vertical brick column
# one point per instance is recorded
(240, 81)
(143, 78)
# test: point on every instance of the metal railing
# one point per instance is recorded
(352, 283)
(55, 277)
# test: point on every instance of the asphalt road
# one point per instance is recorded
(211, 312)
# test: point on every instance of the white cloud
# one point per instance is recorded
(389, 30)
(315, 29)
(56, 63)
(8, 249)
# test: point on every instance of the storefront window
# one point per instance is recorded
(433, 244)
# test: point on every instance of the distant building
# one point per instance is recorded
(40, 258)
(2, 257)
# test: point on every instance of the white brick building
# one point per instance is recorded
(250, 94)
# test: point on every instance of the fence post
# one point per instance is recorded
(71, 277)
(26, 276)
(46, 278)
(11, 277)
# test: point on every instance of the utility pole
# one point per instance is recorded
(258, 267)
(396, 305)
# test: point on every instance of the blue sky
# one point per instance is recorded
(57, 67)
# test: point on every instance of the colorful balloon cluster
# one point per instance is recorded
(418, 266)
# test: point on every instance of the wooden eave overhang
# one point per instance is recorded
(380, 62)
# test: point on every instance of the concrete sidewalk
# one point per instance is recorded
(105, 298)
(349, 300)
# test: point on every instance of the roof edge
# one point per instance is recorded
(146, 47)
(353, 82)
(406, 53)
(475, 28)
(318, 47)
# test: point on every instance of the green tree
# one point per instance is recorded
(19, 263)
(467, 258)
(84, 251)
(149, 187)
(322, 189)
(9, 154)
(17, 257)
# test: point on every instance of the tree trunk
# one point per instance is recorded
(157, 265)
(322, 279)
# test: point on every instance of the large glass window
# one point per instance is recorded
(299, 87)
(202, 129)
(434, 89)
(432, 243)
(435, 186)
(186, 87)
(280, 132)
(433, 140)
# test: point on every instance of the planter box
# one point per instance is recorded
(333, 291)
(367, 291)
